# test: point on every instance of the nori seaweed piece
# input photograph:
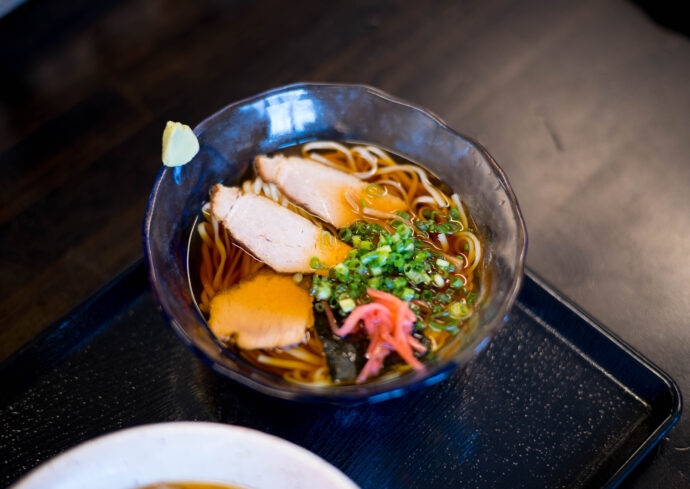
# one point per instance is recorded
(345, 356)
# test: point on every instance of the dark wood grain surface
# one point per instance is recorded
(585, 104)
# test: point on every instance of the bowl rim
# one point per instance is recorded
(342, 395)
(102, 445)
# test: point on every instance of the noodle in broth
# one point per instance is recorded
(224, 264)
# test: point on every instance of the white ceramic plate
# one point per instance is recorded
(186, 451)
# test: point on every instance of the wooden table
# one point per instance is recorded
(585, 104)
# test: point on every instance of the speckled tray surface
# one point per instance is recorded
(553, 401)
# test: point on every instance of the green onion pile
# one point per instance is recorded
(402, 264)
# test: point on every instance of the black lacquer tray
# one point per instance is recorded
(554, 401)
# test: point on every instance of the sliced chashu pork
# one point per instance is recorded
(266, 310)
(321, 189)
(274, 234)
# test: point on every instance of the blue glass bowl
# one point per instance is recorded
(285, 116)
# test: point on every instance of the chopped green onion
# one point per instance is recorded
(397, 260)
(415, 275)
(327, 239)
(363, 227)
(454, 213)
(356, 290)
(438, 280)
(399, 282)
(441, 263)
(297, 277)
(374, 190)
(377, 256)
(450, 227)
(457, 282)
(407, 294)
(471, 298)
(347, 304)
(323, 290)
(432, 227)
(406, 245)
(364, 244)
(459, 310)
(315, 263)
(363, 203)
(428, 213)
(466, 247)
(427, 295)
(441, 321)
(420, 256)
(345, 234)
(444, 298)
(402, 214)
(375, 282)
(318, 307)
(422, 226)
(341, 272)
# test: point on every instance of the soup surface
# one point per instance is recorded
(334, 263)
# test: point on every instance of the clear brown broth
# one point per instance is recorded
(446, 341)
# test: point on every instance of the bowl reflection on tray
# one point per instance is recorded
(238, 457)
(286, 116)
